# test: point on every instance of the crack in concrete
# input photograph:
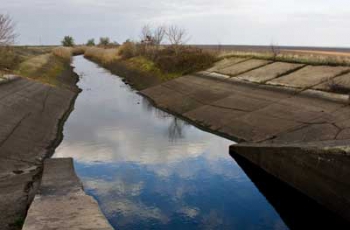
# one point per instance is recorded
(230, 108)
(14, 128)
(45, 100)
(230, 65)
(235, 75)
(285, 73)
(19, 160)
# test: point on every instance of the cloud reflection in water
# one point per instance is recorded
(150, 170)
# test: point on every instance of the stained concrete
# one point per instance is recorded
(30, 115)
(341, 83)
(61, 202)
(269, 72)
(243, 67)
(309, 76)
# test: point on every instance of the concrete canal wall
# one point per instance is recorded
(31, 115)
(283, 123)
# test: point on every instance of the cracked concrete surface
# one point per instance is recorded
(258, 114)
(30, 113)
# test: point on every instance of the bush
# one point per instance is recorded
(183, 59)
(127, 50)
(91, 42)
(68, 41)
(8, 58)
(104, 41)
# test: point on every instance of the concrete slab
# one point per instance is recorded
(344, 134)
(243, 67)
(309, 76)
(255, 127)
(241, 102)
(213, 117)
(308, 133)
(61, 202)
(269, 72)
(338, 84)
(225, 63)
(292, 112)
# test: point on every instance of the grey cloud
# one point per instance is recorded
(229, 21)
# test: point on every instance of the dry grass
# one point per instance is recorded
(44, 68)
(101, 55)
(65, 53)
(292, 57)
(79, 50)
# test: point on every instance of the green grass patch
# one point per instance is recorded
(150, 67)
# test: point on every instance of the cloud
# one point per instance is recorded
(321, 22)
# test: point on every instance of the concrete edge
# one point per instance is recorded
(7, 78)
(319, 172)
(61, 202)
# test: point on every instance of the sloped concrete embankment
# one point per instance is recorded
(61, 202)
(32, 115)
(265, 118)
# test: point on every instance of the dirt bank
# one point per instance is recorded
(32, 116)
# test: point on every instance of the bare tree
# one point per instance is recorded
(146, 34)
(177, 36)
(7, 30)
(158, 35)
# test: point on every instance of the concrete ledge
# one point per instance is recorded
(8, 78)
(61, 202)
(320, 172)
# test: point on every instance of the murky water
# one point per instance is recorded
(149, 170)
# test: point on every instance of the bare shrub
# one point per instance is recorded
(176, 35)
(337, 88)
(275, 51)
(128, 50)
(7, 30)
(158, 35)
(8, 56)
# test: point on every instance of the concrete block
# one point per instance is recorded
(243, 67)
(269, 72)
(61, 202)
(309, 76)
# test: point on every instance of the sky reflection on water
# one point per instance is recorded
(150, 170)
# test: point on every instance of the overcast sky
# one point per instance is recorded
(251, 22)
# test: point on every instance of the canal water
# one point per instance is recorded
(150, 170)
